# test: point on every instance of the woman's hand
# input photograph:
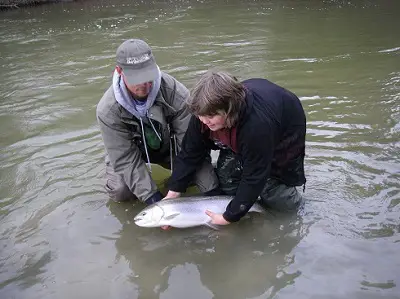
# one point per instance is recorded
(217, 218)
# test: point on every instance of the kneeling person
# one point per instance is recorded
(259, 128)
(139, 115)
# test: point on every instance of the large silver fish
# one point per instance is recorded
(185, 212)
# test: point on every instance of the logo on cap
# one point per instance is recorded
(139, 59)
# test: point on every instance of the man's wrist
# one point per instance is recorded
(154, 198)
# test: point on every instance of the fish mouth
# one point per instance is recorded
(137, 218)
(149, 217)
(141, 220)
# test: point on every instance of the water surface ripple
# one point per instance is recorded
(60, 237)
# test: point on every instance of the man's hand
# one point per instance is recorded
(171, 194)
(217, 218)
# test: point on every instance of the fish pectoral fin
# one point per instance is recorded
(213, 226)
(170, 217)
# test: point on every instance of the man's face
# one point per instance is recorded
(139, 91)
(215, 122)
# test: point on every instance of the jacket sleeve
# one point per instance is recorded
(190, 158)
(125, 157)
(256, 148)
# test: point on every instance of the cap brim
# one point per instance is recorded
(139, 76)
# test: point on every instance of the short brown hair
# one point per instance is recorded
(217, 92)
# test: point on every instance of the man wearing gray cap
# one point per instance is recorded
(143, 118)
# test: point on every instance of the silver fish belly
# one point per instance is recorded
(185, 212)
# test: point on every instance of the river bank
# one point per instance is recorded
(15, 4)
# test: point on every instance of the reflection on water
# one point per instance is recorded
(211, 262)
(60, 237)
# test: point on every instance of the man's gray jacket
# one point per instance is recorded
(122, 134)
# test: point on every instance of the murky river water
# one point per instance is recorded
(62, 238)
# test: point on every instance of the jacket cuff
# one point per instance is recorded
(176, 187)
(231, 218)
(154, 198)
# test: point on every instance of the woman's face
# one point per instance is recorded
(215, 122)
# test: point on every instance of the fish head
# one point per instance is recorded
(150, 216)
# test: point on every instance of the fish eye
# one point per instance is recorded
(144, 213)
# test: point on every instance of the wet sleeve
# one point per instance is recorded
(257, 148)
(126, 158)
(190, 158)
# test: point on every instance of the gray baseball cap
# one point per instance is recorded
(137, 62)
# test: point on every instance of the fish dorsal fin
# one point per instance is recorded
(170, 217)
